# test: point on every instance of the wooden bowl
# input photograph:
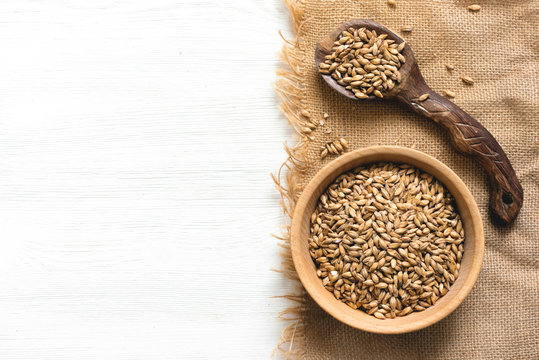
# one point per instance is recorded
(473, 242)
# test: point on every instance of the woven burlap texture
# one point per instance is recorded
(497, 47)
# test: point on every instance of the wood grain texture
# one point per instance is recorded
(467, 135)
(136, 204)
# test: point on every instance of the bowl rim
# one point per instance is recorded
(387, 154)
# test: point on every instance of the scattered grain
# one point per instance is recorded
(335, 147)
(392, 3)
(449, 67)
(324, 153)
(467, 80)
(423, 97)
(407, 29)
(449, 93)
(474, 7)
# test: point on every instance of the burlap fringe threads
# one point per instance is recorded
(290, 89)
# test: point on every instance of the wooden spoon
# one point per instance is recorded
(468, 136)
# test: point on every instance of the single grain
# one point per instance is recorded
(467, 80)
(449, 93)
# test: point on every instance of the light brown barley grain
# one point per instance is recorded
(449, 93)
(324, 153)
(467, 80)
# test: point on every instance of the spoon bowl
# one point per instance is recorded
(324, 48)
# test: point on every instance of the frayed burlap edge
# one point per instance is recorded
(290, 89)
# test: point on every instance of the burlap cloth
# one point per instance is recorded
(498, 48)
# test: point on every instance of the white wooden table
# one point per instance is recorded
(136, 143)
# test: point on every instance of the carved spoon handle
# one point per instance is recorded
(470, 138)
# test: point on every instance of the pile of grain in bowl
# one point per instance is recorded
(364, 62)
(387, 239)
